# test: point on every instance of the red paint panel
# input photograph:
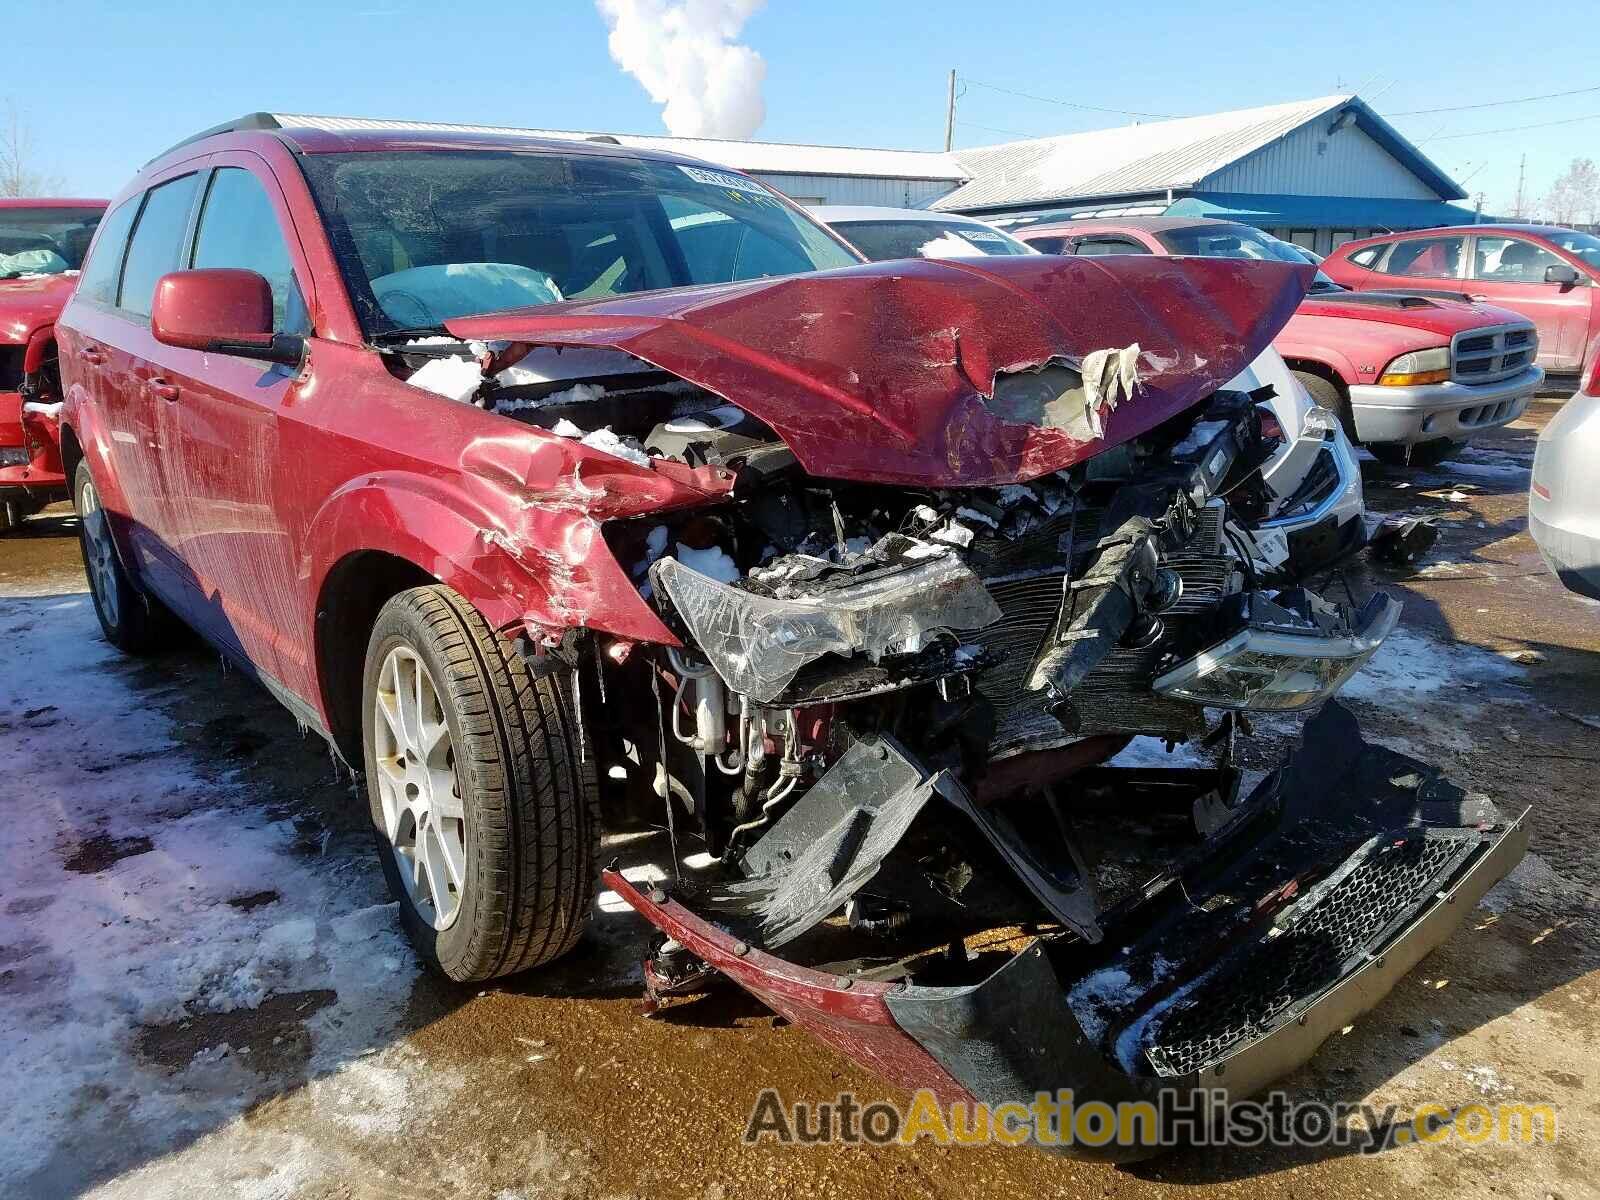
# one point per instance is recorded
(853, 1020)
(881, 372)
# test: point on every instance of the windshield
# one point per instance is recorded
(424, 236)
(1580, 245)
(44, 241)
(1239, 241)
(881, 240)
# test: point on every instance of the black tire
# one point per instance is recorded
(132, 621)
(530, 801)
(1329, 395)
(1424, 454)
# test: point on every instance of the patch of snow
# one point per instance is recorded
(1411, 664)
(548, 364)
(982, 518)
(152, 938)
(44, 410)
(565, 428)
(1153, 752)
(578, 393)
(607, 442)
(714, 562)
(453, 378)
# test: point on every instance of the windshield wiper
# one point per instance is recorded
(405, 335)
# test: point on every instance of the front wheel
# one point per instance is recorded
(486, 815)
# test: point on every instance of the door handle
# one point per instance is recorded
(162, 388)
(1479, 299)
(90, 355)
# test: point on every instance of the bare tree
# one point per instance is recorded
(19, 174)
(1575, 195)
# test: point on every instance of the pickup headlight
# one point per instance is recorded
(1419, 366)
(13, 456)
(758, 643)
(1273, 665)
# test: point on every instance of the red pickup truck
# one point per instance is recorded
(1550, 275)
(567, 486)
(42, 243)
(1412, 377)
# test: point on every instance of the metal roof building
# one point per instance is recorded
(1318, 172)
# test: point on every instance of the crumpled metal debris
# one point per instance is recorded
(1109, 378)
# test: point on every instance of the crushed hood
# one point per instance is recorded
(885, 372)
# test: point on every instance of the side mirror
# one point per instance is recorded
(220, 310)
(1566, 276)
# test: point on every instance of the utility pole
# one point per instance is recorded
(1522, 171)
(1477, 210)
(950, 114)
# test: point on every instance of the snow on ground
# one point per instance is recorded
(137, 900)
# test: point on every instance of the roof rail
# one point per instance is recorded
(255, 120)
(606, 138)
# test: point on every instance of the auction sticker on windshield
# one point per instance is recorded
(723, 179)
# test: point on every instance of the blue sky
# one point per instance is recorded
(112, 85)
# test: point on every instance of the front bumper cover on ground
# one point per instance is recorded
(1370, 860)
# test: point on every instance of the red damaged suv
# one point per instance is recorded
(42, 243)
(564, 486)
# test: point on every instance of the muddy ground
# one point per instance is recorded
(245, 1022)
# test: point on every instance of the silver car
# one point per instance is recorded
(1564, 496)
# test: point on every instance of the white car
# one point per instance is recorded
(1318, 515)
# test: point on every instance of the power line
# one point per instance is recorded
(995, 129)
(1120, 112)
(1422, 112)
(1518, 128)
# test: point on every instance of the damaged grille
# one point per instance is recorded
(1243, 1000)
(1116, 697)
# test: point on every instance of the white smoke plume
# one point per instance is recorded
(686, 56)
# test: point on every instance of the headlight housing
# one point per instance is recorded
(13, 456)
(1280, 661)
(758, 643)
(1419, 366)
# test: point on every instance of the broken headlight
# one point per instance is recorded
(758, 643)
(13, 456)
(1286, 656)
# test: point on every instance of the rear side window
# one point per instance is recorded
(1429, 258)
(1368, 256)
(239, 228)
(99, 279)
(157, 244)
(1048, 245)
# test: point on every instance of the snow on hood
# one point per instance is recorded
(887, 372)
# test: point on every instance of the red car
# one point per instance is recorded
(1411, 377)
(565, 486)
(1547, 274)
(42, 243)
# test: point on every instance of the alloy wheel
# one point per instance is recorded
(424, 818)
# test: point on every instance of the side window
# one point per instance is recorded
(238, 228)
(157, 243)
(99, 279)
(1431, 258)
(1048, 245)
(1511, 260)
(1104, 245)
(1368, 256)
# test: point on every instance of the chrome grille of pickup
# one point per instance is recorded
(1490, 355)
